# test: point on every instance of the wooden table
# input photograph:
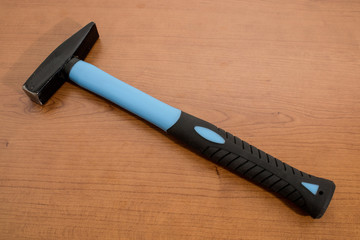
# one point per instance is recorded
(283, 75)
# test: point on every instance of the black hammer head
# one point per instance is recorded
(50, 75)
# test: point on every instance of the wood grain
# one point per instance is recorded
(282, 75)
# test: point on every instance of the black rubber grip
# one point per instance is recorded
(310, 193)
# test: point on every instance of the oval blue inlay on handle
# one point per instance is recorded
(145, 106)
(209, 135)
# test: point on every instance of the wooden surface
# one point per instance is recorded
(282, 75)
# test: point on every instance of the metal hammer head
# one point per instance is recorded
(51, 74)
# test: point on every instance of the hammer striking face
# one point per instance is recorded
(310, 193)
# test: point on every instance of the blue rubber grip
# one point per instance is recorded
(143, 105)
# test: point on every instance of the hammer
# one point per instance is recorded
(310, 193)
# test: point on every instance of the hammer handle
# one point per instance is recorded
(310, 193)
(145, 106)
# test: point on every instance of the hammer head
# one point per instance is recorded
(51, 74)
